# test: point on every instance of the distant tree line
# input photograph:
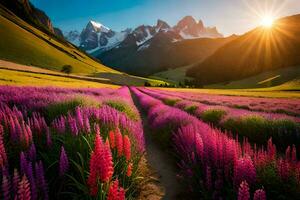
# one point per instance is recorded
(185, 84)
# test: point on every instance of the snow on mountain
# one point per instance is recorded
(189, 28)
(99, 27)
(73, 37)
(96, 38)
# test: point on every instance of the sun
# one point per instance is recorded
(267, 21)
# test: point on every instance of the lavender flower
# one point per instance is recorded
(63, 162)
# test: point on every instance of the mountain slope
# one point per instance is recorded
(25, 44)
(160, 54)
(257, 51)
(288, 77)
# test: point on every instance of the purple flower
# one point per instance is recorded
(40, 180)
(6, 188)
(15, 181)
(23, 163)
(63, 162)
(31, 179)
(31, 154)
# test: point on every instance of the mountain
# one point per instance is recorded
(96, 37)
(260, 50)
(189, 28)
(143, 50)
(23, 43)
(37, 55)
(34, 16)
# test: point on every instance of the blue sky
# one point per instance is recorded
(229, 16)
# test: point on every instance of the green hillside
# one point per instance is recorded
(260, 50)
(280, 79)
(22, 43)
(173, 75)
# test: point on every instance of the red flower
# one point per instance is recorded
(101, 165)
(119, 142)
(129, 170)
(127, 147)
(112, 142)
(115, 192)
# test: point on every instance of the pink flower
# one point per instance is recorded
(127, 147)
(24, 189)
(244, 191)
(283, 169)
(271, 150)
(115, 192)
(244, 171)
(260, 195)
(101, 165)
(3, 156)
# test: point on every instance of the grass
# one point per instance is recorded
(213, 116)
(22, 43)
(258, 129)
(122, 107)
(173, 75)
(25, 44)
(264, 92)
(280, 79)
(8, 77)
(62, 108)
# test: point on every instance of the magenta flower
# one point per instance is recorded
(260, 195)
(40, 180)
(3, 156)
(63, 162)
(244, 171)
(243, 193)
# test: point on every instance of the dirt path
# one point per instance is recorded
(160, 162)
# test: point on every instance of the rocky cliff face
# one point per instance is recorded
(26, 11)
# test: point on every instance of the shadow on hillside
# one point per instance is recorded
(121, 79)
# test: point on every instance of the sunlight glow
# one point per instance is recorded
(267, 21)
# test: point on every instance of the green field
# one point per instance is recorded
(173, 75)
(263, 92)
(280, 79)
(9, 77)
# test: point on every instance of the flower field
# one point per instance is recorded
(58, 143)
(69, 143)
(216, 165)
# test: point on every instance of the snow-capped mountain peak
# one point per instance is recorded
(98, 27)
(96, 38)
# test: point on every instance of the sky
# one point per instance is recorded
(229, 16)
